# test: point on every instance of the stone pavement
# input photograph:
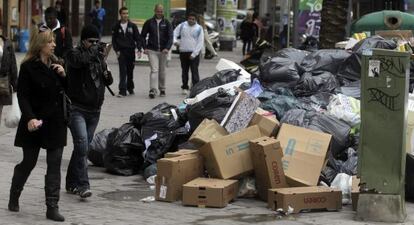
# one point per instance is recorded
(115, 199)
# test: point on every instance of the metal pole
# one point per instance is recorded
(288, 25)
(295, 23)
(5, 18)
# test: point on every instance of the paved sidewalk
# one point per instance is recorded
(115, 199)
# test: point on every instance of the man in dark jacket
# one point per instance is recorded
(157, 34)
(87, 77)
(125, 39)
(63, 37)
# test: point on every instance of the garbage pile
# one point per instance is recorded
(288, 133)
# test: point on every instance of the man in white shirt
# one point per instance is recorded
(191, 44)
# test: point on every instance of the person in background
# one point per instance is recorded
(191, 44)
(125, 39)
(210, 52)
(40, 91)
(87, 78)
(248, 33)
(63, 37)
(61, 14)
(8, 68)
(157, 35)
(98, 14)
(259, 24)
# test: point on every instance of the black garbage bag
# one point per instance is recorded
(313, 82)
(328, 174)
(260, 49)
(339, 130)
(325, 60)
(98, 147)
(277, 104)
(124, 151)
(213, 107)
(163, 117)
(150, 171)
(351, 89)
(293, 54)
(280, 70)
(317, 102)
(218, 79)
(409, 177)
(351, 68)
(158, 147)
(136, 119)
(334, 166)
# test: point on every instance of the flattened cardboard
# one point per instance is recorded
(301, 198)
(267, 163)
(207, 131)
(208, 192)
(267, 122)
(304, 154)
(355, 192)
(229, 156)
(240, 113)
(180, 153)
(172, 173)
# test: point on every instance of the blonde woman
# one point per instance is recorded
(40, 91)
(207, 41)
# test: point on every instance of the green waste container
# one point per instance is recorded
(383, 20)
(381, 162)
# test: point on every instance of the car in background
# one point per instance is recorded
(177, 16)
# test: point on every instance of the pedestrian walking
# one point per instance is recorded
(63, 37)
(8, 72)
(97, 15)
(41, 95)
(191, 43)
(249, 33)
(87, 78)
(125, 39)
(210, 52)
(157, 35)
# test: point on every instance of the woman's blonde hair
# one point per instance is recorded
(39, 38)
(202, 21)
(249, 17)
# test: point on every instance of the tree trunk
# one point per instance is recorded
(333, 24)
(196, 6)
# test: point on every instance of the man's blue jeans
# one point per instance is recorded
(82, 125)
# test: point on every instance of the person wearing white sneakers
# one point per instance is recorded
(191, 44)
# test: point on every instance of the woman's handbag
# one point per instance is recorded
(12, 118)
(4, 86)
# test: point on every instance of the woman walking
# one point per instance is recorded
(249, 33)
(41, 96)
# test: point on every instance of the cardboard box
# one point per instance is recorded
(304, 154)
(172, 173)
(207, 192)
(180, 153)
(267, 163)
(300, 198)
(207, 131)
(355, 192)
(267, 122)
(229, 156)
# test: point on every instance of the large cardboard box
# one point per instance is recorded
(208, 192)
(300, 198)
(266, 121)
(304, 154)
(207, 131)
(172, 173)
(267, 163)
(229, 156)
(180, 153)
(355, 192)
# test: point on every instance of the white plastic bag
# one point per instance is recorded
(343, 182)
(345, 108)
(12, 118)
